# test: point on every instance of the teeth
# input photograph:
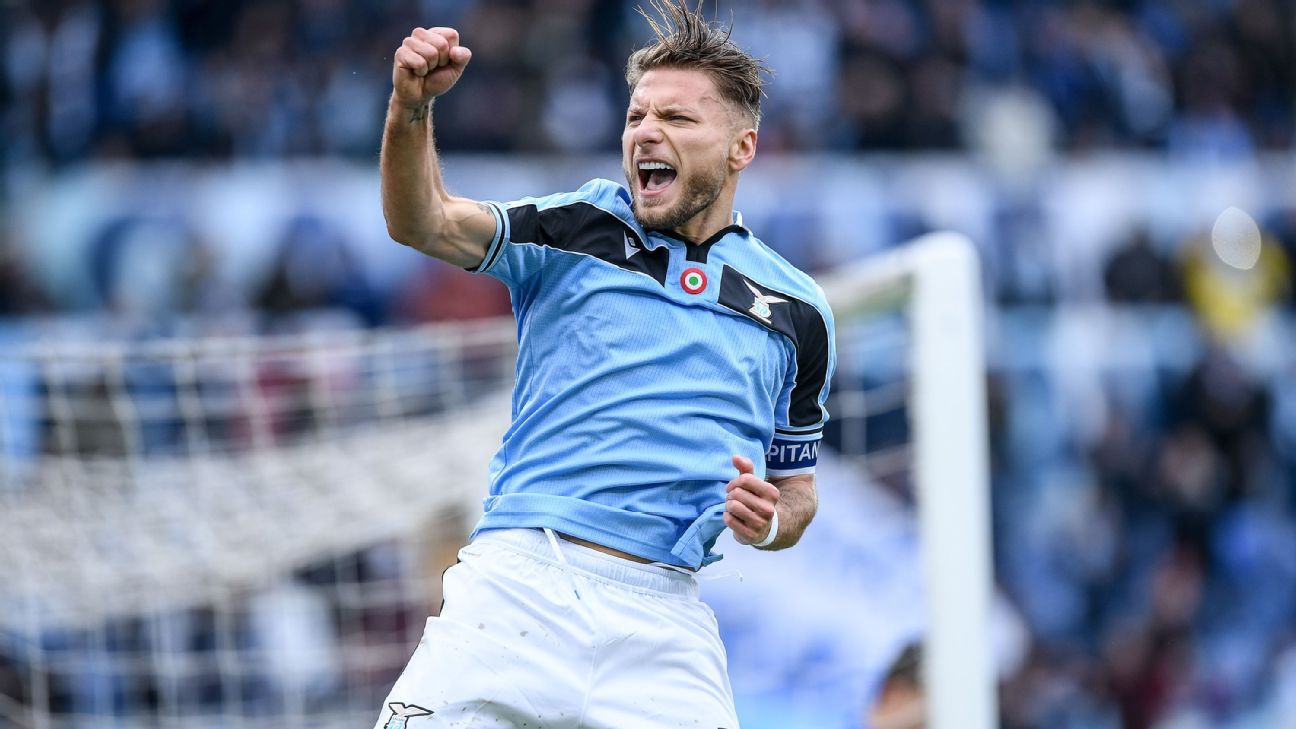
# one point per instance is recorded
(655, 166)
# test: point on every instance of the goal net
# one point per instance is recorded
(249, 532)
(236, 532)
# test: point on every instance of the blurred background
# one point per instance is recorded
(190, 230)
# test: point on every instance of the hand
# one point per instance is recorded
(749, 504)
(427, 64)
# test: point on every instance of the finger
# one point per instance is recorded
(744, 514)
(762, 507)
(435, 41)
(413, 62)
(438, 42)
(423, 48)
(743, 533)
(744, 480)
(761, 488)
(425, 35)
(460, 55)
(754, 485)
(450, 34)
(744, 464)
(748, 517)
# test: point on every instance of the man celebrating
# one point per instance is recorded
(671, 379)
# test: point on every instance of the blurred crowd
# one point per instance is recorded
(1154, 559)
(112, 79)
(1149, 536)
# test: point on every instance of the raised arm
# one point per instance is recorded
(420, 212)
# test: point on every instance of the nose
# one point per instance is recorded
(648, 132)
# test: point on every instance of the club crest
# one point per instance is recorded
(402, 713)
(760, 307)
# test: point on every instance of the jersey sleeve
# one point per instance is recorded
(528, 230)
(507, 258)
(801, 410)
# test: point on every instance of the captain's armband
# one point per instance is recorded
(792, 455)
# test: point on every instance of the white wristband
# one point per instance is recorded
(773, 532)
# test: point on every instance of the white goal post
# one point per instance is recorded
(938, 278)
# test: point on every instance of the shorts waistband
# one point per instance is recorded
(533, 543)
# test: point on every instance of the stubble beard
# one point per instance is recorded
(698, 193)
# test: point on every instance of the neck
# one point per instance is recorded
(717, 215)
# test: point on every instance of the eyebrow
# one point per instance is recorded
(664, 108)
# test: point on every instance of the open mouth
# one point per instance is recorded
(655, 176)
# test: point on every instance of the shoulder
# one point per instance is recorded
(598, 193)
(776, 272)
(598, 203)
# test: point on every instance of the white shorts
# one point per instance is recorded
(516, 647)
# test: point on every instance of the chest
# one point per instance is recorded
(670, 314)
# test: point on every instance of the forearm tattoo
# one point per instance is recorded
(420, 113)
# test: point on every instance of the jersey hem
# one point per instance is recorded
(580, 518)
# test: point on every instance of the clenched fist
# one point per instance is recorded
(749, 503)
(427, 64)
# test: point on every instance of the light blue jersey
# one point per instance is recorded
(645, 363)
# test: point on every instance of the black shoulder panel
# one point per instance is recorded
(800, 322)
(579, 227)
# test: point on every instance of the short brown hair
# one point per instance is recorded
(686, 40)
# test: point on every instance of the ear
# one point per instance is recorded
(742, 150)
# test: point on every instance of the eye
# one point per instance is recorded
(633, 118)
